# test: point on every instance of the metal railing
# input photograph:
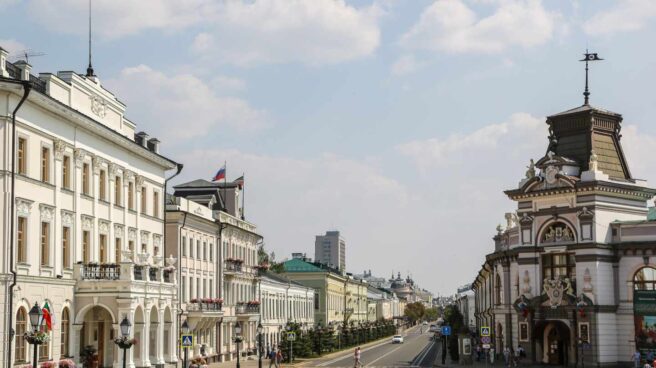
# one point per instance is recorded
(152, 274)
(247, 309)
(138, 273)
(210, 307)
(232, 266)
(101, 271)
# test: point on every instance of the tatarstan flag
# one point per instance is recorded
(47, 317)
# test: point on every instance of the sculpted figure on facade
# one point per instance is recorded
(593, 164)
(60, 147)
(530, 173)
(555, 290)
(526, 288)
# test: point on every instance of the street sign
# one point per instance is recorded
(485, 331)
(187, 340)
(486, 346)
(486, 339)
(291, 336)
(446, 330)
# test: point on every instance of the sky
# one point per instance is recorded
(399, 123)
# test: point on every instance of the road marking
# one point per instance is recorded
(382, 356)
(422, 355)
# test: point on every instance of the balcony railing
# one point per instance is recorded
(139, 273)
(247, 309)
(168, 276)
(201, 306)
(152, 274)
(91, 271)
(233, 265)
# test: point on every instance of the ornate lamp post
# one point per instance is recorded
(259, 347)
(124, 341)
(185, 330)
(291, 343)
(37, 337)
(238, 339)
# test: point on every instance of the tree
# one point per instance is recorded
(431, 314)
(454, 318)
(415, 311)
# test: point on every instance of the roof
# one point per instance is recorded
(279, 278)
(297, 265)
(584, 108)
(202, 183)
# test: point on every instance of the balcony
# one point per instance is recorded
(204, 313)
(94, 271)
(233, 266)
(247, 308)
(205, 305)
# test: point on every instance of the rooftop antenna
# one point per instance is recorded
(90, 68)
(588, 57)
(27, 54)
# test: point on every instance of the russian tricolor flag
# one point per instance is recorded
(221, 174)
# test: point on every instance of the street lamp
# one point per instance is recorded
(36, 319)
(185, 330)
(238, 339)
(291, 343)
(124, 341)
(259, 341)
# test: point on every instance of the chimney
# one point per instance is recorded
(153, 145)
(25, 69)
(142, 139)
(3, 63)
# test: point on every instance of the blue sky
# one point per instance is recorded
(397, 122)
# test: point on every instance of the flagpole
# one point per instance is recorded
(225, 178)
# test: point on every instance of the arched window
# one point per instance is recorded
(645, 279)
(65, 335)
(498, 290)
(21, 329)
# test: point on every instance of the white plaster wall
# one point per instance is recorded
(607, 337)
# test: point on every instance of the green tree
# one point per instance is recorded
(431, 314)
(454, 318)
(415, 311)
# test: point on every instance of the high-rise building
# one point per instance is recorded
(330, 249)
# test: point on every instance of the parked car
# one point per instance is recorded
(397, 339)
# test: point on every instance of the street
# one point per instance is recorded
(416, 351)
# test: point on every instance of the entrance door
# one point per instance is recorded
(555, 347)
(101, 343)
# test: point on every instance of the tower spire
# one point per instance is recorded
(90, 72)
(588, 57)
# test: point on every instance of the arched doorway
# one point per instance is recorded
(96, 335)
(138, 335)
(553, 343)
(168, 334)
(153, 352)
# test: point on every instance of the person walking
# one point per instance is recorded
(636, 359)
(357, 358)
(272, 358)
(278, 358)
(506, 356)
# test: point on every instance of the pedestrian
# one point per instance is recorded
(506, 356)
(636, 359)
(278, 358)
(512, 355)
(272, 358)
(649, 357)
(357, 358)
(492, 356)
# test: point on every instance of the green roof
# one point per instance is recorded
(298, 265)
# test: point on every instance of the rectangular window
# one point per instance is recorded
(22, 240)
(198, 249)
(144, 199)
(144, 248)
(211, 253)
(191, 248)
(559, 265)
(191, 288)
(117, 191)
(102, 178)
(204, 251)
(86, 250)
(66, 247)
(316, 301)
(45, 243)
(183, 287)
(45, 164)
(66, 172)
(211, 291)
(184, 246)
(131, 245)
(102, 240)
(85, 179)
(117, 250)
(22, 156)
(155, 204)
(131, 196)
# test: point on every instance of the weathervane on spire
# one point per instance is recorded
(90, 72)
(588, 57)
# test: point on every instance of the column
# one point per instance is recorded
(57, 258)
(77, 336)
(118, 352)
(160, 336)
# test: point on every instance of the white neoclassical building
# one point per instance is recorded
(87, 217)
(283, 301)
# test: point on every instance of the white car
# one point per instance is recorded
(397, 339)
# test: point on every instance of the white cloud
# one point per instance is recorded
(452, 26)
(406, 64)
(114, 19)
(639, 151)
(12, 46)
(181, 106)
(226, 83)
(314, 32)
(521, 131)
(625, 16)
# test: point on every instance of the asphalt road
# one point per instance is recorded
(416, 351)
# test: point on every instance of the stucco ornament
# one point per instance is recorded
(79, 157)
(587, 281)
(87, 223)
(98, 106)
(550, 174)
(557, 232)
(526, 280)
(60, 147)
(23, 207)
(132, 234)
(555, 290)
(67, 218)
(144, 237)
(157, 240)
(103, 227)
(118, 231)
(47, 213)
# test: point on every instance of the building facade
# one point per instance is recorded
(87, 217)
(330, 249)
(283, 301)
(571, 278)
